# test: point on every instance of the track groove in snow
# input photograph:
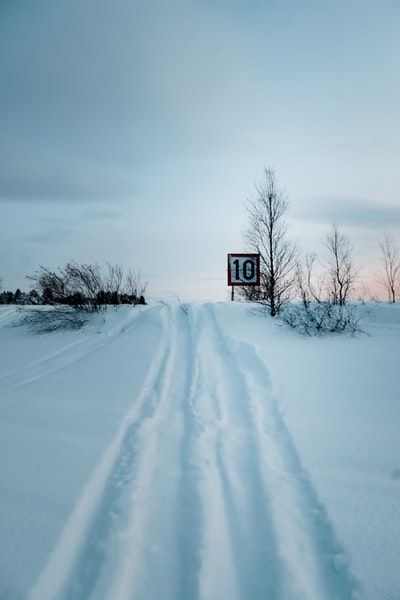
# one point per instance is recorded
(307, 549)
(201, 495)
(62, 357)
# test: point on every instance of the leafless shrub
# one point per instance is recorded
(76, 290)
(75, 285)
(318, 318)
(135, 288)
(113, 284)
(318, 312)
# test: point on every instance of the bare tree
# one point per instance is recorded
(390, 275)
(267, 235)
(340, 269)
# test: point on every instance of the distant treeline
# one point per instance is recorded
(19, 297)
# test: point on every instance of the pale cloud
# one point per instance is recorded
(51, 178)
(92, 92)
(349, 212)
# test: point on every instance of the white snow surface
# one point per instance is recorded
(199, 452)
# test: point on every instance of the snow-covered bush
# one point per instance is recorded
(313, 317)
(324, 306)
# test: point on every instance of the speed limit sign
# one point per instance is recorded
(243, 269)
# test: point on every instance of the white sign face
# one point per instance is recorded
(243, 269)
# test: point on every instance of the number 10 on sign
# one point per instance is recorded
(243, 269)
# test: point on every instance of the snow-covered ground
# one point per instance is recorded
(187, 452)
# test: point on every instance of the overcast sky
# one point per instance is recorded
(133, 131)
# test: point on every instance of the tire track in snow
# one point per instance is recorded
(7, 314)
(63, 357)
(76, 567)
(149, 563)
(55, 361)
(201, 495)
(238, 549)
(313, 563)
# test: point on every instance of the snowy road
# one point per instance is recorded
(201, 494)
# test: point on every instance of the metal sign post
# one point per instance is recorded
(243, 269)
